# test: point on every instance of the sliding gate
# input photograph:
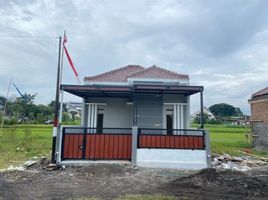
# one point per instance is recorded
(96, 144)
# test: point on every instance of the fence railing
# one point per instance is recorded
(171, 139)
(86, 143)
(96, 144)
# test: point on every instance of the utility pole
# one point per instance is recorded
(5, 106)
(61, 74)
(56, 114)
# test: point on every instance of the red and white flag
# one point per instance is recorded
(70, 60)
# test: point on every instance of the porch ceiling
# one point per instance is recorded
(127, 91)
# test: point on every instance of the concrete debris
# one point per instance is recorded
(33, 163)
(17, 168)
(244, 163)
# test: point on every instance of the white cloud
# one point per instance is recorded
(221, 45)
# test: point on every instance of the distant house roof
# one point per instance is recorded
(260, 93)
(206, 111)
(136, 71)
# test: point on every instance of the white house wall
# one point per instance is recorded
(172, 158)
(149, 110)
(116, 112)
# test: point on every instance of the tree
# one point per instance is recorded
(2, 100)
(238, 112)
(223, 110)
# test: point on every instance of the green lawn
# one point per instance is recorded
(22, 142)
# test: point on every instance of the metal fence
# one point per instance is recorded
(83, 143)
(179, 139)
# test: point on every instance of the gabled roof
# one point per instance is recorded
(158, 73)
(136, 71)
(116, 75)
(260, 93)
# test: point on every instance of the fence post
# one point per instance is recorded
(208, 153)
(84, 143)
(134, 145)
(62, 143)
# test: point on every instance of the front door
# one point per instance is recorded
(169, 120)
(168, 116)
(100, 123)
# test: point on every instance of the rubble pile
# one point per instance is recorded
(243, 163)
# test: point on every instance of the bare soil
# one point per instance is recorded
(107, 181)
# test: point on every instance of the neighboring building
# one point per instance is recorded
(206, 111)
(135, 114)
(259, 119)
(74, 108)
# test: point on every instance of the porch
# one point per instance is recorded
(145, 124)
(141, 146)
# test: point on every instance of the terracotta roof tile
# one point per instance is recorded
(260, 93)
(156, 72)
(136, 71)
(116, 75)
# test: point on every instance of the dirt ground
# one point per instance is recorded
(107, 181)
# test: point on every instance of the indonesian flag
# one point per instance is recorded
(70, 60)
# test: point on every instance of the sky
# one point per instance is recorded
(222, 45)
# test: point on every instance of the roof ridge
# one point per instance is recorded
(113, 71)
(160, 68)
(169, 71)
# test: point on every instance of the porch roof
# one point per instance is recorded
(127, 91)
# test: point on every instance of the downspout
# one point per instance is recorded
(201, 111)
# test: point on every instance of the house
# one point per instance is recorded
(259, 119)
(206, 111)
(138, 115)
(74, 108)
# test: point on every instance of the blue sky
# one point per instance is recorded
(222, 45)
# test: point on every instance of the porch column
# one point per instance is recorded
(134, 145)
(201, 110)
(92, 115)
(134, 111)
(84, 113)
(179, 116)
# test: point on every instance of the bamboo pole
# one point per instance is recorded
(5, 106)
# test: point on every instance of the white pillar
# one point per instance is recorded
(61, 106)
(181, 117)
(134, 145)
(92, 115)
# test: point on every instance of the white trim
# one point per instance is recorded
(106, 83)
(92, 115)
(179, 81)
(61, 105)
(171, 104)
(91, 162)
(181, 117)
(55, 129)
(99, 104)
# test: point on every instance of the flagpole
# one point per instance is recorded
(61, 91)
(56, 114)
(5, 106)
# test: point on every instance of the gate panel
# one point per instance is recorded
(72, 144)
(108, 147)
(84, 143)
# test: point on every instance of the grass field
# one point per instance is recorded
(22, 142)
